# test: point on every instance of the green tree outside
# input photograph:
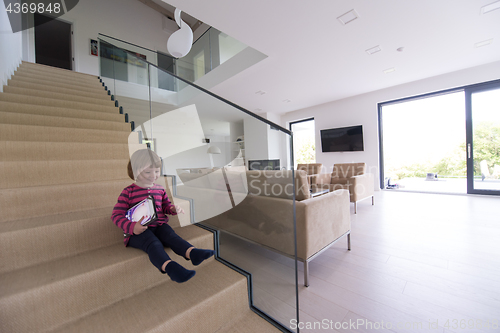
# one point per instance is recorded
(305, 151)
(486, 147)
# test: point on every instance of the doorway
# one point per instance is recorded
(424, 144)
(303, 144)
(443, 142)
(483, 139)
(53, 42)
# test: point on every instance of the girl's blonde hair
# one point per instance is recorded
(140, 160)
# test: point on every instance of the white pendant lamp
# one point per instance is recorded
(180, 42)
(213, 150)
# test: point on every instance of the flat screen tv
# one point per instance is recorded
(342, 139)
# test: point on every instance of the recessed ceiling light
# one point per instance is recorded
(484, 43)
(400, 49)
(260, 92)
(389, 70)
(490, 7)
(348, 17)
(373, 50)
(287, 100)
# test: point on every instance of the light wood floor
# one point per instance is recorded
(416, 260)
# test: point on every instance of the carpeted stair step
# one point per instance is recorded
(28, 151)
(92, 88)
(31, 241)
(58, 96)
(101, 94)
(51, 111)
(44, 173)
(82, 284)
(54, 72)
(51, 69)
(23, 99)
(214, 296)
(53, 121)
(39, 201)
(59, 134)
(34, 75)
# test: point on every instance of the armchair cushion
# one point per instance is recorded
(348, 170)
(350, 176)
(312, 170)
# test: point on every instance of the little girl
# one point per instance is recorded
(144, 167)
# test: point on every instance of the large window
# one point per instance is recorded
(426, 136)
(304, 147)
(443, 142)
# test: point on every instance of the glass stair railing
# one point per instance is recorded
(209, 51)
(207, 145)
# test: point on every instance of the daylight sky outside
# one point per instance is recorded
(486, 107)
(423, 130)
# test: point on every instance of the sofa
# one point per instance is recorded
(312, 170)
(350, 176)
(258, 206)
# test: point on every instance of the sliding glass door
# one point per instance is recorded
(483, 138)
(423, 146)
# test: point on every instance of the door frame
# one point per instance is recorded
(485, 86)
(468, 90)
(29, 41)
(291, 142)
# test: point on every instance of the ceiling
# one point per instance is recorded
(313, 58)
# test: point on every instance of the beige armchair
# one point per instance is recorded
(264, 211)
(350, 176)
(312, 170)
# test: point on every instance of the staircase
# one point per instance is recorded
(63, 156)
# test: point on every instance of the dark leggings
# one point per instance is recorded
(154, 239)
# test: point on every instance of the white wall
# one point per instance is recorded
(129, 20)
(10, 49)
(274, 138)
(256, 141)
(362, 110)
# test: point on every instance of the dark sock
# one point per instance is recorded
(178, 273)
(198, 255)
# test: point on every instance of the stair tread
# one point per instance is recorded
(45, 101)
(40, 222)
(24, 280)
(54, 111)
(57, 96)
(24, 79)
(68, 198)
(29, 64)
(11, 151)
(16, 132)
(139, 313)
(97, 93)
(51, 73)
(56, 121)
(28, 74)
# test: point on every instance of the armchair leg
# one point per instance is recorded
(355, 208)
(373, 200)
(349, 241)
(306, 273)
